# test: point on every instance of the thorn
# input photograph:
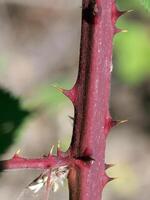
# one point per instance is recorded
(120, 13)
(117, 30)
(128, 11)
(51, 150)
(71, 94)
(58, 88)
(110, 123)
(116, 13)
(72, 118)
(18, 151)
(59, 152)
(107, 166)
(118, 122)
(106, 179)
(124, 31)
(112, 179)
(58, 145)
(122, 121)
(16, 155)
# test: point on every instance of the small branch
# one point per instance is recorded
(18, 162)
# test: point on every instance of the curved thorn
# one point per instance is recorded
(128, 11)
(71, 94)
(120, 13)
(112, 179)
(72, 118)
(107, 166)
(107, 179)
(67, 93)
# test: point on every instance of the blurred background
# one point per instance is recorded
(39, 46)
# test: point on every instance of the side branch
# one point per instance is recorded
(18, 162)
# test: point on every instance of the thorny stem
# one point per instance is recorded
(48, 162)
(90, 97)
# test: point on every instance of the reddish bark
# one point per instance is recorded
(90, 97)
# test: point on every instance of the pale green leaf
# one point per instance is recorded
(146, 4)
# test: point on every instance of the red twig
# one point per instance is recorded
(48, 162)
(90, 97)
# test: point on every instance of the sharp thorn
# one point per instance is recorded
(18, 152)
(107, 179)
(122, 121)
(112, 179)
(51, 150)
(72, 118)
(107, 166)
(124, 31)
(120, 13)
(71, 94)
(117, 30)
(118, 122)
(58, 88)
(16, 155)
(128, 11)
(59, 152)
(58, 145)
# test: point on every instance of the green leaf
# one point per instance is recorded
(132, 50)
(146, 4)
(11, 117)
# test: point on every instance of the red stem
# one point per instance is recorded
(91, 99)
(42, 163)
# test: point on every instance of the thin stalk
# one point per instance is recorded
(47, 162)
